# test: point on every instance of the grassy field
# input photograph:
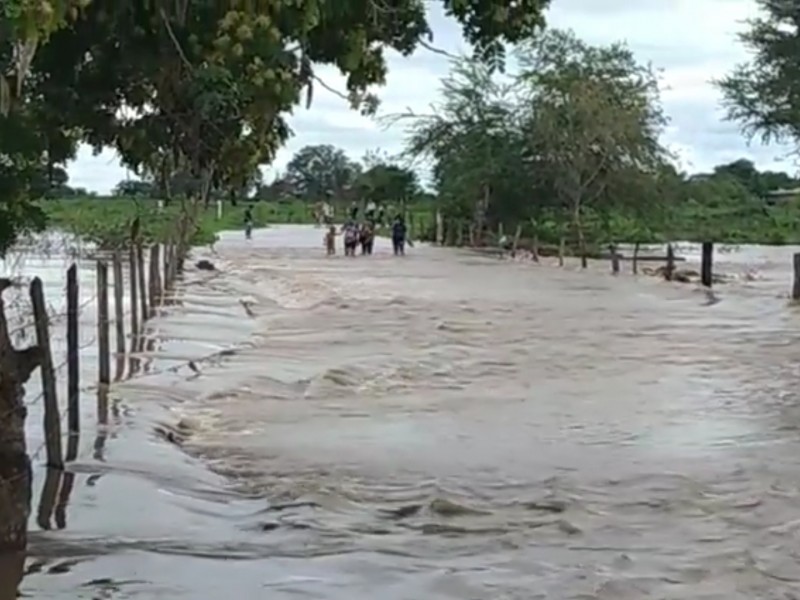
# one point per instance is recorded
(107, 221)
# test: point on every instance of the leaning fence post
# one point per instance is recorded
(73, 354)
(52, 416)
(104, 376)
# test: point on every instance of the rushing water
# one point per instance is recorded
(445, 425)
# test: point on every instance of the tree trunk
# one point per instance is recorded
(581, 237)
(16, 367)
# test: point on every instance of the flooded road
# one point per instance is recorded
(447, 426)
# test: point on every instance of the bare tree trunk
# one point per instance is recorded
(581, 237)
(16, 367)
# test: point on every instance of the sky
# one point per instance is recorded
(691, 43)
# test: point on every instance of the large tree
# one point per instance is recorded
(473, 142)
(594, 121)
(384, 180)
(316, 171)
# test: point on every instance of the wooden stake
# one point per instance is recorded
(52, 416)
(706, 264)
(103, 346)
(119, 315)
(73, 357)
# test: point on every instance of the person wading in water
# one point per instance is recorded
(367, 237)
(350, 238)
(330, 240)
(399, 236)
(248, 222)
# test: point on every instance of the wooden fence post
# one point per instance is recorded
(706, 264)
(635, 265)
(119, 303)
(141, 276)
(119, 314)
(796, 286)
(103, 350)
(670, 269)
(132, 270)
(52, 416)
(47, 498)
(155, 277)
(73, 358)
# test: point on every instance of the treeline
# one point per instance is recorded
(315, 173)
(569, 147)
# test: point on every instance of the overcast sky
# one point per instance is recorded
(690, 41)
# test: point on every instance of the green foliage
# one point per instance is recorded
(569, 147)
(761, 94)
(107, 221)
(319, 172)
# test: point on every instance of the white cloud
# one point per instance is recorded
(692, 42)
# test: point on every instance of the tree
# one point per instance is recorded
(386, 182)
(134, 188)
(315, 171)
(762, 94)
(472, 140)
(594, 120)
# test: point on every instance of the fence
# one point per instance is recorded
(152, 272)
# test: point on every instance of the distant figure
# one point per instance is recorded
(399, 236)
(327, 213)
(248, 222)
(353, 210)
(367, 237)
(330, 240)
(381, 216)
(350, 238)
(369, 211)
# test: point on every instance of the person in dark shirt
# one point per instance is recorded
(399, 236)
(248, 222)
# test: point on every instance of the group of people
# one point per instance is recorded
(355, 234)
(363, 234)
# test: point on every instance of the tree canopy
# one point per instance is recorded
(761, 94)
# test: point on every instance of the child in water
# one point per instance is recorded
(330, 240)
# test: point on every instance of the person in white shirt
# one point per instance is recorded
(369, 212)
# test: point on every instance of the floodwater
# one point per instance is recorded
(442, 426)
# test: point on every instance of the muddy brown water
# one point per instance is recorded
(444, 426)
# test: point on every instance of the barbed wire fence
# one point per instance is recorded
(54, 309)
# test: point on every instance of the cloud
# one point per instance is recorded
(691, 42)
